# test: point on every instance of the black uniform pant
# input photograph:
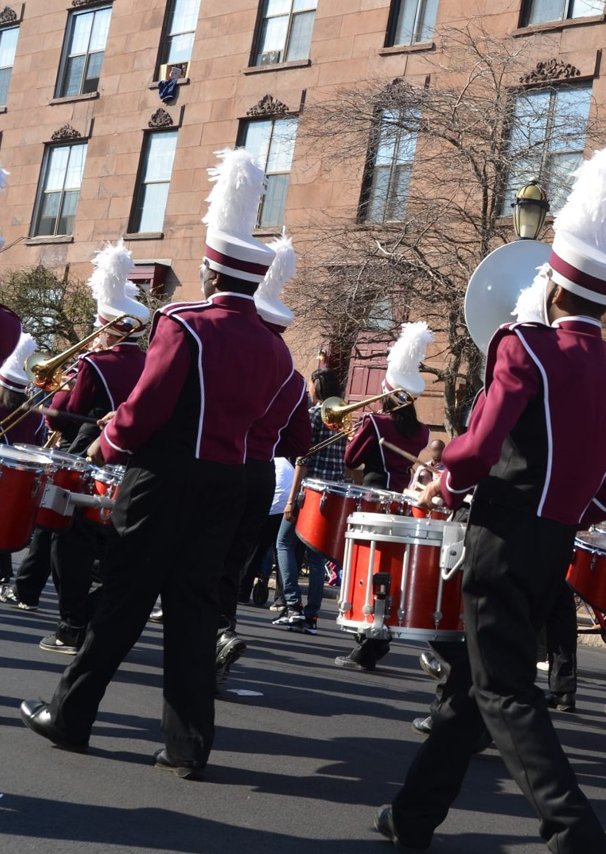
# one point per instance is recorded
(260, 487)
(561, 632)
(513, 565)
(73, 553)
(33, 573)
(172, 526)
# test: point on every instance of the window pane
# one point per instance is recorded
(272, 209)
(398, 194)
(5, 79)
(153, 207)
(81, 30)
(180, 48)
(57, 166)
(558, 180)
(546, 10)
(300, 36)
(48, 214)
(67, 219)
(406, 22)
(282, 145)
(304, 5)
(75, 168)
(100, 30)
(93, 72)
(256, 141)
(160, 156)
(273, 35)
(73, 75)
(277, 7)
(378, 194)
(185, 16)
(583, 8)
(571, 111)
(529, 120)
(427, 21)
(8, 46)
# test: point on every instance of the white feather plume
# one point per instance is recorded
(3, 176)
(530, 307)
(407, 353)
(131, 290)
(234, 198)
(25, 347)
(282, 269)
(584, 214)
(112, 266)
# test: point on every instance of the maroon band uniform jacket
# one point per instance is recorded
(284, 430)
(365, 449)
(30, 430)
(543, 407)
(212, 370)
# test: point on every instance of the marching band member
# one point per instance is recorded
(284, 422)
(530, 499)
(212, 369)
(29, 430)
(104, 379)
(383, 467)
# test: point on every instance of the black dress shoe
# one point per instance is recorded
(422, 726)
(36, 716)
(229, 649)
(561, 702)
(185, 770)
(384, 824)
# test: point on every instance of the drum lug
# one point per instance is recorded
(323, 501)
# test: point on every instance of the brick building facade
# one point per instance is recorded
(95, 154)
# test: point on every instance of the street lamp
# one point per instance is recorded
(529, 210)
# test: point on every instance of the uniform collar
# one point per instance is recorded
(579, 323)
(230, 299)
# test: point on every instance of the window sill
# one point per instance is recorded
(182, 81)
(144, 235)
(277, 66)
(68, 99)
(268, 231)
(553, 26)
(59, 238)
(406, 48)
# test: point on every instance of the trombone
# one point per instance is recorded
(46, 374)
(336, 415)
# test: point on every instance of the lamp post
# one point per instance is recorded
(529, 210)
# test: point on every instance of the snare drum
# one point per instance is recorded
(68, 471)
(323, 510)
(394, 577)
(22, 478)
(439, 513)
(105, 481)
(587, 572)
(394, 503)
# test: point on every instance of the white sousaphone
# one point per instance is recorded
(496, 284)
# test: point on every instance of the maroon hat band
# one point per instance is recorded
(578, 277)
(235, 263)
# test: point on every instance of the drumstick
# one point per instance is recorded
(59, 413)
(402, 453)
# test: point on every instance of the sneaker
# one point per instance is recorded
(422, 726)
(53, 643)
(8, 595)
(184, 769)
(431, 665)
(307, 626)
(277, 606)
(350, 663)
(289, 616)
(543, 666)
(561, 702)
(157, 614)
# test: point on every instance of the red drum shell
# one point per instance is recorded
(393, 503)
(69, 472)
(587, 572)
(323, 512)
(104, 482)
(420, 605)
(22, 478)
(435, 513)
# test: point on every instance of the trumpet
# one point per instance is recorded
(47, 374)
(336, 414)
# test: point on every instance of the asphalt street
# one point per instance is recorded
(304, 753)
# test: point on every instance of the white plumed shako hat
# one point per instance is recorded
(232, 215)
(578, 252)
(12, 371)
(267, 295)
(405, 357)
(109, 283)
